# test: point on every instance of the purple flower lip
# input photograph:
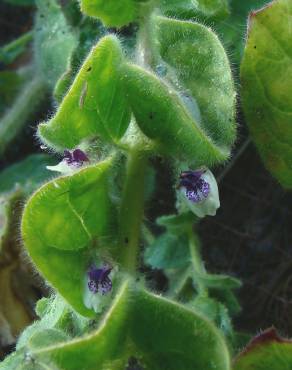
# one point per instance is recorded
(98, 279)
(75, 158)
(196, 188)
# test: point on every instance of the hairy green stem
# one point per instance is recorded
(28, 100)
(147, 54)
(131, 211)
(198, 264)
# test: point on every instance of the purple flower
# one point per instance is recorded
(75, 158)
(98, 279)
(196, 188)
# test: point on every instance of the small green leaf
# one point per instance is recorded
(229, 299)
(266, 81)
(11, 51)
(201, 9)
(10, 84)
(54, 41)
(267, 351)
(52, 316)
(214, 311)
(223, 282)
(13, 361)
(62, 224)
(169, 251)
(177, 223)
(28, 174)
(95, 105)
(113, 13)
(28, 100)
(102, 347)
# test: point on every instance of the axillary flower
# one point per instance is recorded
(198, 191)
(99, 280)
(71, 161)
(75, 158)
(98, 286)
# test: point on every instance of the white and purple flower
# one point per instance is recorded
(99, 280)
(198, 191)
(75, 158)
(71, 161)
(98, 286)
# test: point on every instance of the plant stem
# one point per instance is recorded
(131, 211)
(147, 54)
(28, 100)
(198, 264)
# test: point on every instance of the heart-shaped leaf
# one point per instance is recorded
(144, 329)
(95, 105)
(63, 222)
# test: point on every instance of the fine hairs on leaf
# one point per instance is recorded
(83, 230)
(144, 110)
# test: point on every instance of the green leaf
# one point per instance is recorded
(232, 30)
(56, 317)
(13, 361)
(229, 299)
(53, 46)
(214, 311)
(27, 174)
(14, 49)
(191, 115)
(177, 223)
(54, 41)
(111, 12)
(64, 221)
(213, 281)
(267, 87)
(201, 9)
(10, 83)
(203, 71)
(169, 251)
(95, 105)
(28, 101)
(162, 117)
(133, 327)
(267, 351)
(175, 338)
